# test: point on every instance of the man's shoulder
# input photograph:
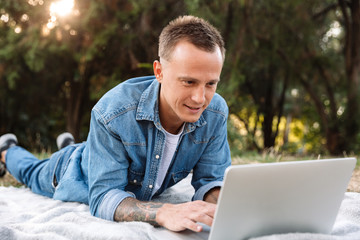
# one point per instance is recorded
(123, 97)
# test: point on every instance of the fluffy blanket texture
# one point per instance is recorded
(25, 215)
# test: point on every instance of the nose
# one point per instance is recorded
(198, 95)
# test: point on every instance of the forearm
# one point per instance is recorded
(212, 196)
(131, 209)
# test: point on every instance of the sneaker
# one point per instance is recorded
(65, 139)
(2, 169)
(6, 141)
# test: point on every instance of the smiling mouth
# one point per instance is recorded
(193, 108)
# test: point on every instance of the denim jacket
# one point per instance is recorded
(125, 144)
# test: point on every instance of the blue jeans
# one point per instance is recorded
(41, 176)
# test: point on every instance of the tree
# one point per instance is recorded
(54, 67)
(275, 47)
(257, 72)
(69, 62)
(337, 94)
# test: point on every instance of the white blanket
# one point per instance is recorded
(24, 215)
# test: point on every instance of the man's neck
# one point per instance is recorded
(174, 129)
(170, 124)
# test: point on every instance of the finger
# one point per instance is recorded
(202, 218)
(193, 226)
(204, 207)
(211, 210)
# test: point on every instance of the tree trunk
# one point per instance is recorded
(269, 139)
(334, 142)
(287, 129)
(352, 63)
(78, 95)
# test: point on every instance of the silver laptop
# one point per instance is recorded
(274, 198)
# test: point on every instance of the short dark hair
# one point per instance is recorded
(196, 30)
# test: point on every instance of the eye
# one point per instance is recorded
(188, 82)
(211, 84)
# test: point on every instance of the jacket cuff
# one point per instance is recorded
(110, 202)
(200, 193)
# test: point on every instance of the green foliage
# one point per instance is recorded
(283, 61)
(237, 142)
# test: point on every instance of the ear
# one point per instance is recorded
(157, 70)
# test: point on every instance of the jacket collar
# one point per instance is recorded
(148, 108)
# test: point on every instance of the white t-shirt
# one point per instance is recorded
(171, 141)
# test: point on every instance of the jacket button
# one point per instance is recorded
(150, 186)
(157, 156)
(134, 181)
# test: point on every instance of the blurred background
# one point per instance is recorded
(291, 75)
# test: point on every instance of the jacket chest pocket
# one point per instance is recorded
(135, 180)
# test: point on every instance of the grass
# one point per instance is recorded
(270, 155)
(9, 180)
(267, 157)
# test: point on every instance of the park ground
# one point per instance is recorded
(354, 185)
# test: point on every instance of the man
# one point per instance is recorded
(145, 135)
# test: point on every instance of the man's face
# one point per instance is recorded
(188, 83)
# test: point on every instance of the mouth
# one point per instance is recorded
(193, 109)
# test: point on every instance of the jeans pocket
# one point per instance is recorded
(57, 158)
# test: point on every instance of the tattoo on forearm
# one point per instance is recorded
(131, 209)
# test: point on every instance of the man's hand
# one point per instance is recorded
(178, 217)
(175, 217)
